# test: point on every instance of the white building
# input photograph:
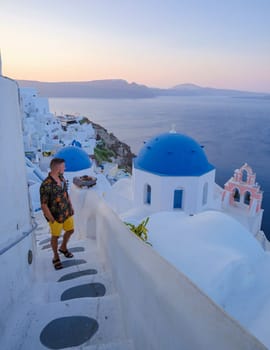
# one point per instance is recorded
(31, 103)
(172, 172)
(37, 120)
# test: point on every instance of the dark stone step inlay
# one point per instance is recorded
(77, 274)
(72, 262)
(76, 249)
(66, 332)
(44, 241)
(84, 291)
(46, 246)
(73, 250)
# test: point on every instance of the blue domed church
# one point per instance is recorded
(75, 158)
(172, 172)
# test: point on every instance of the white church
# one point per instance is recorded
(172, 173)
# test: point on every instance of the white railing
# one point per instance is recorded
(4, 247)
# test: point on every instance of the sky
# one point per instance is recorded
(159, 43)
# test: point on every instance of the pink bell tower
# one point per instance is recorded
(242, 197)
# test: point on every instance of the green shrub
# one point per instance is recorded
(140, 230)
(103, 154)
(84, 120)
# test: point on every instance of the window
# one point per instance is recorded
(205, 193)
(247, 198)
(177, 200)
(236, 195)
(147, 194)
(244, 175)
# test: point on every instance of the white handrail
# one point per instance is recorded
(17, 240)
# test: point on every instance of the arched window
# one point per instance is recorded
(177, 199)
(244, 175)
(205, 193)
(147, 194)
(247, 198)
(236, 195)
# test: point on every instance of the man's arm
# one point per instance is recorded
(71, 206)
(72, 210)
(47, 212)
(44, 191)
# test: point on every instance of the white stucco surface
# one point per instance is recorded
(13, 182)
(163, 187)
(162, 308)
(16, 275)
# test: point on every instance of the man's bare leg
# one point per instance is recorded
(54, 244)
(66, 238)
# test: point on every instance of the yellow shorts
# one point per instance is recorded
(57, 227)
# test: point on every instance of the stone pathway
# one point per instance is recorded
(76, 307)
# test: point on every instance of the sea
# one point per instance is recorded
(233, 130)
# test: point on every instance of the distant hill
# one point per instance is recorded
(192, 89)
(115, 88)
(118, 88)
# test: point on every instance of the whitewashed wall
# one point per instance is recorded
(14, 206)
(15, 219)
(162, 190)
(161, 307)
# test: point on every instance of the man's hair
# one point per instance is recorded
(56, 161)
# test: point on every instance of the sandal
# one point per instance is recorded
(67, 253)
(57, 264)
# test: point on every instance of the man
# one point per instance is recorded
(57, 209)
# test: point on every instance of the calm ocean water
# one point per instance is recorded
(232, 130)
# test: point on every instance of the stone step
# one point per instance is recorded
(56, 289)
(80, 262)
(93, 322)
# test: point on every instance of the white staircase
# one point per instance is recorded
(42, 303)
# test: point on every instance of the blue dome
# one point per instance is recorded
(173, 154)
(75, 158)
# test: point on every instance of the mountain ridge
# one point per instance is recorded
(120, 88)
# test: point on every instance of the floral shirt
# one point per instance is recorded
(56, 197)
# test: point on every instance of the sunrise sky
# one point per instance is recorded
(159, 43)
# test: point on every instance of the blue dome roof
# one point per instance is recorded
(173, 154)
(75, 158)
